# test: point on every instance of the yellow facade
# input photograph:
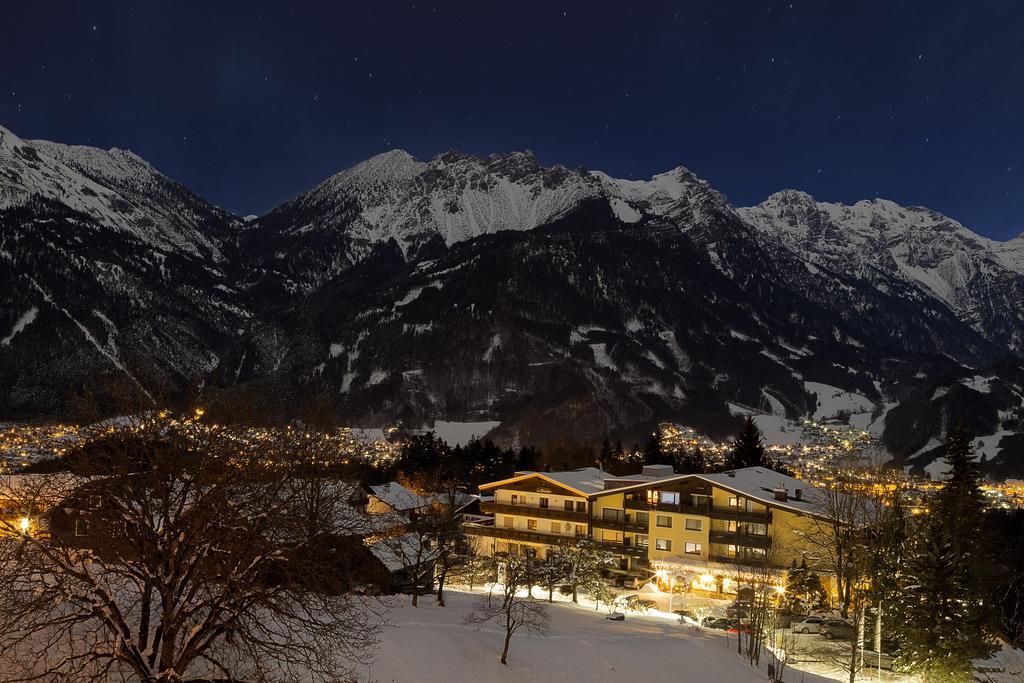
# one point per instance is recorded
(684, 526)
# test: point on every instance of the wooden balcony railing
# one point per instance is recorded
(523, 535)
(741, 539)
(532, 511)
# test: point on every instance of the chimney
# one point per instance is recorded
(798, 494)
(657, 471)
(781, 494)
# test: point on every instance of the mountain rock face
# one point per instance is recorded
(979, 280)
(113, 275)
(554, 301)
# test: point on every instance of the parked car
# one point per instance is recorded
(718, 623)
(787, 617)
(741, 627)
(809, 625)
(837, 628)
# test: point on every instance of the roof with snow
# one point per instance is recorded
(398, 497)
(585, 481)
(760, 483)
(399, 552)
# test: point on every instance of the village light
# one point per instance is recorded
(24, 523)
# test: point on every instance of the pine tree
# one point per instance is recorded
(946, 612)
(748, 448)
(654, 452)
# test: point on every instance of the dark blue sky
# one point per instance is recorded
(249, 103)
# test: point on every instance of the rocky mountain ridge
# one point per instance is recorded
(553, 301)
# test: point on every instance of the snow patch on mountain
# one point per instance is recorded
(20, 324)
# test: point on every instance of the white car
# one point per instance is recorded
(809, 625)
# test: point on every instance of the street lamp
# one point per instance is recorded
(24, 524)
(662, 574)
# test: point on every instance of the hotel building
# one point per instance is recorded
(702, 528)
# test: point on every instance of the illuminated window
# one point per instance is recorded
(641, 541)
(664, 521)
(692, 548)
(556, 527)
(531, 524)
(694, 524)
(581, 530)
(669, 497)
(662, 544)
(643, 518)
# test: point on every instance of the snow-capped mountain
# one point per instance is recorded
(980, 280)
(113, 274)
(551, 300)
(453, 197)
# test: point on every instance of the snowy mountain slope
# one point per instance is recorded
(115, 277)
(980, 280)
(587, 325)
(467, 289)
(117, 189)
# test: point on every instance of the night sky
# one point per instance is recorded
(250, 103)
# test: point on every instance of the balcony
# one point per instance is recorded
(532, 511)
(741, 539)
(622, 548)
(735, 514)
(624, 523)
(521, 535)
(730, 513)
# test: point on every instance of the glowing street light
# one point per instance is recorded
(24, 523)
(662, 574)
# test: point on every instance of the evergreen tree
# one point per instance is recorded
(654, 452)
(805, 590)
(945, 607)
(606, 458)
(748, 448)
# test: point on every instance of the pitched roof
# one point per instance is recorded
(399, 497)
(584, 481)
(398, 552)
(760, 483)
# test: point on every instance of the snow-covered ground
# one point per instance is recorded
(461, 433)
(430, 643)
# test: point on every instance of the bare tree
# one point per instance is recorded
(839, 540)
(550, 573)
(194, 552)
(759, 580)
(412, 548)
(834, 538)
(450, 547)
(514, 612)
(583, 561)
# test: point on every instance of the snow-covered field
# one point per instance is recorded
(430, 643)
